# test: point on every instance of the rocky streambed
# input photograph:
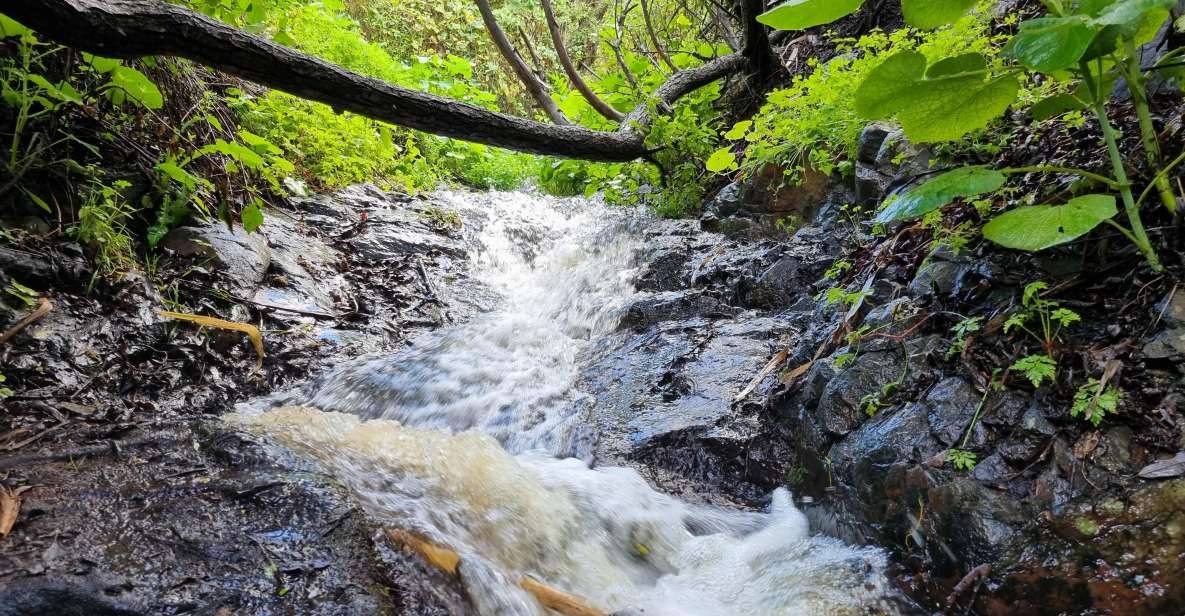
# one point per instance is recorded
(703, 361)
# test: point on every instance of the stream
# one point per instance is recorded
(478, 437)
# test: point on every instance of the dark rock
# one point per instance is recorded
(671, 306)
(973, 521)
(892, 436)
(244, 256)
(1113, 453)
(951, 403)
(778, 284)
(992, 469)
(727, 202)
(840, 409)
(1029, 438)
(870, 142)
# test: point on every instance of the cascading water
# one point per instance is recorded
(460, 438)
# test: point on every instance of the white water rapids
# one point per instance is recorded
(456, 438)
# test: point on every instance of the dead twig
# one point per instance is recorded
(33, 317)
(973, 578)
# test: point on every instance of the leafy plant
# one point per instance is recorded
(1093, 401)
(961, 459)
(1091, 42)
(1036, 368)
(103, 226)
(962, 330)
(1051, 318)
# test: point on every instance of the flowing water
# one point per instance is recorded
(476, 437)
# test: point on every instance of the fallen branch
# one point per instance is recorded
(246, 328)
(136, 28)
(973, 577)
(33, 317)
(449, 561)
(777, 360)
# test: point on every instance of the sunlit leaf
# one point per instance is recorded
(1038, 227)
(930, 14)
(803, 14)
(943, 189)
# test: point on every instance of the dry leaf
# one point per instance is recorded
(251, 331)
(772, 365)
(10, 507)
(1086, 445)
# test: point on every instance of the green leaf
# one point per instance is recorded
(948, 110)
(1054, 106)
(930, 14)
(963, 182)
(1128, 12)
(101, 64)
(954, 65)
(721, 160)
(1036, 368)
(178, 174)
(138, 87)
(1039, 227)
(1051, 44)
(11, 27)
(803, 14)
(739, 130)
(885, 90)
(252, 217)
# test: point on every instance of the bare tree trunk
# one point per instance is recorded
(757, 47)
(532, 83)
(658, 47)
(724, 23)
(136, 28)
(561, 50)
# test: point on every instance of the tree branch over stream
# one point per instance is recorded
(135, 28)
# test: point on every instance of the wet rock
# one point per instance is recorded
(871, 139)
(1169, 342)
(779, 284)
(939, 274)
(1030, 437)
(727, 202)
(1099, 554)
(1113, 453)
(244, 256)
(840, 407)
(671, 306)
(952, 403)
(992, 469)
(891, 437)
(972, 520)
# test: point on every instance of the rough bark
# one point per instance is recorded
(761, 56)
(530, 81)
(136, 28)
(578, 82)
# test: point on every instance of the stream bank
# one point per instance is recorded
(160, 508)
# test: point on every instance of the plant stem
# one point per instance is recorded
(1136, 85)
(1139, 235)
(1125, 191)
(1056, 169)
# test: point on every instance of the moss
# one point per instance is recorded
(1086, 526)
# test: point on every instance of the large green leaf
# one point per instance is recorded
(948, 110)
(11, 27)
(1039, 227)
(137, 86)
(803, 14)
(954, 65)
(721, 160)
(1126, 12)
(945, 106)
(962, 182)
(930, 14)
(1049, 44)
(887, 87)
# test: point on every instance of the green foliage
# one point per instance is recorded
(103, 227)
(803, 14)
(943, 189)
(934, 104)
(961, 459)
(814, 122)
(1036, 368)
(1038, 227)
(962, 330)
(1092, 401)
(1051, 318)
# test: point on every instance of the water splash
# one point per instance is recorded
(461, 438)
